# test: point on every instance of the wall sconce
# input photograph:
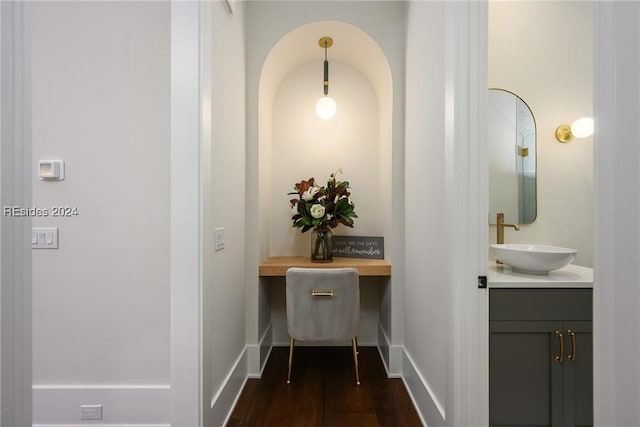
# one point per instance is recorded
(326, 106)
(581, 128)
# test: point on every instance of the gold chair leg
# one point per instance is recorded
(290, 359)
(355, 360)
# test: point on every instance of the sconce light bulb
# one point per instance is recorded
(582, 128)
(326, 107)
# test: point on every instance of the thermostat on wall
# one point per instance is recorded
(51, 170)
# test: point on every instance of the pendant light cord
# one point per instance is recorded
(326, 70)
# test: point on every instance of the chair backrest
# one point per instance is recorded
(323, 317)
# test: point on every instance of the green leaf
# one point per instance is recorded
(347, 209)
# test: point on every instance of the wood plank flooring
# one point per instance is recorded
(323, 392)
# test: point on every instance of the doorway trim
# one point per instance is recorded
(466, 62)
(616, 297)
(186, 275)
(15, 190)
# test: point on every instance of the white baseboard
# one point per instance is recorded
(257, 355)
(383, 347)
(249, 364)
(122, 405)
(424, 400)
(392, 355)
(225, 399)
(266, 344)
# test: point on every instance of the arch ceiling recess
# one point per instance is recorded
(350, 45)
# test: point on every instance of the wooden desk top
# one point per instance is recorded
(278, 265)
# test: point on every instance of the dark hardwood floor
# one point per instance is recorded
(323, 392)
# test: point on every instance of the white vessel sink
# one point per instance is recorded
(533, 259)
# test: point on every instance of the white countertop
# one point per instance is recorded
(571, 276)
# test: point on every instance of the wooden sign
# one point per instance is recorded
(358, 247)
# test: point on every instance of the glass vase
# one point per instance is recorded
(321, 245)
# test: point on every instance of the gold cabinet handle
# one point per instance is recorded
(572, 334)
(315, 293)
(560, 356)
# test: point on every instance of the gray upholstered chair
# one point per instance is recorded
(323, 305)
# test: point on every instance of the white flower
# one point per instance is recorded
(311, 191)
(338, 197)
(317, 211)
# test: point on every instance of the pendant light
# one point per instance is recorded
(326, 106)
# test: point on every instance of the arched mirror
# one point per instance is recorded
(511, 138)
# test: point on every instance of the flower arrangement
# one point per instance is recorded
(322, 208)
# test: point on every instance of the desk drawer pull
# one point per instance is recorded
(315, 293)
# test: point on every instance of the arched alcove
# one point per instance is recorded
(295, 144)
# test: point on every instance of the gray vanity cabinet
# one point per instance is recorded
(540, 357)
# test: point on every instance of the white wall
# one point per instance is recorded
(617, 210)
(304, 146)
(445, 364)
(428, 280)
(542, 51)
(224, 359)
(100, 75)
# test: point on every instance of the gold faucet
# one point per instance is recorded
(500, 225)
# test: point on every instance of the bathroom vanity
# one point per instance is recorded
(540, 347)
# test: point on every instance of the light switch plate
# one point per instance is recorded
(219, 238)
(44, 238)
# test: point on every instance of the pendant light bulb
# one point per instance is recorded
(326, 107)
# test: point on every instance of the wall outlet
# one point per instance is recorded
(91, 412)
